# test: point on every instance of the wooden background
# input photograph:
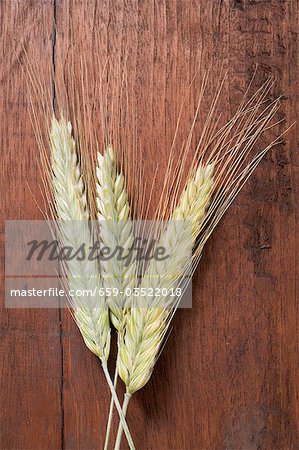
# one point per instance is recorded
(228, 377)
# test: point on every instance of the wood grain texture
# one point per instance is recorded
(228, 376)
(30, 339)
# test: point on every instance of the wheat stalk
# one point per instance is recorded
(113, 212)
(91, 314)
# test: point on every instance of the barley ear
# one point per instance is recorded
(146, 325)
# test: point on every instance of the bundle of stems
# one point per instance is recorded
(65, 187)
(90, 313)
(108, 188)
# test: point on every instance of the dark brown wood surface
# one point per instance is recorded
(228, 376)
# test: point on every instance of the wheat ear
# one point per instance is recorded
(116, 230)
(91, 314)
(113, 211)
(147, 323)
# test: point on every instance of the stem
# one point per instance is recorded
(110, 411)
(118, 407)
(120, 427)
